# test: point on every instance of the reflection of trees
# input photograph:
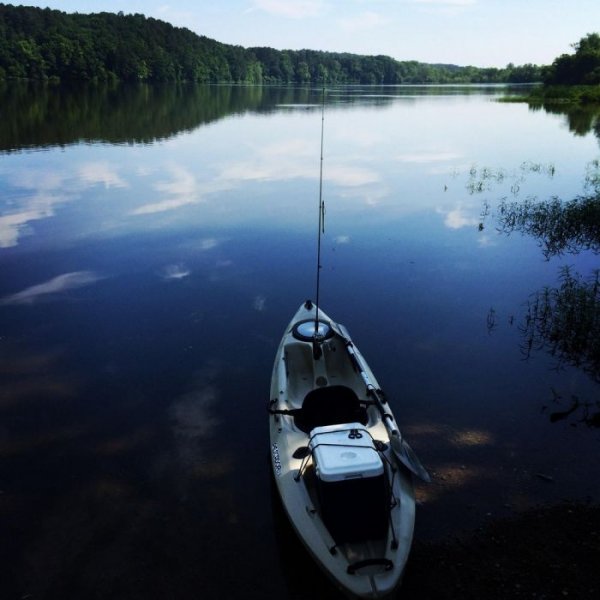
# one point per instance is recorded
(44, 115)
(563, 320)
(580, 118)
(560, 227)
(566, 322)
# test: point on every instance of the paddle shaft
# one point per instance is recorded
(388, 419)
(401, 449)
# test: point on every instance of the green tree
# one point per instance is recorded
(581, 68)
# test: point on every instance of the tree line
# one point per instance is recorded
(580, 68)
(45, 44)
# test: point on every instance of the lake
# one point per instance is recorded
(154, 244)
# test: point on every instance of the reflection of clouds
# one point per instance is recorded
(192, 414)
(472, 437)
(61, 283)
(175, 272)
(181, 190)
(350, 175)
(459, 218)
(101, 172)
(428, 157)
(485, 241)
(259, 303)
(289, 159)
(27, 376)
(40, 205)
(123, 444)
(294, 159)
(368, 195)
(433, 163)
(447, 478)
(455, 437)
(40, 192)
(208, 243)
(193, 421)
(449, 441)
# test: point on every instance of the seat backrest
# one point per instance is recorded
(330, 405)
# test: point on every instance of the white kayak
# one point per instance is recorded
(342, 468)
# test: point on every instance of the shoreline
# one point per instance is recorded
(548, 552)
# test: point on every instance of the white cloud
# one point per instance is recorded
(61, 283)
(444, 7)
(446, 2)
(361, 22)
(292, 9)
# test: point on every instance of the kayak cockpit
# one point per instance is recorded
(331, 405)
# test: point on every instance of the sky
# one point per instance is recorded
(483, 33)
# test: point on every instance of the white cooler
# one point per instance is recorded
(351, 485)
(343, 452)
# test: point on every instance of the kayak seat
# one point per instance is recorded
(330, 405)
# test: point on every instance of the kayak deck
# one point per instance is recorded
(360, 543)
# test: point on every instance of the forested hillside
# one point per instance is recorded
(49, 44)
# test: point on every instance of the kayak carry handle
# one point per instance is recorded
(386, 563)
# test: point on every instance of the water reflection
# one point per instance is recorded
(44, 115)
(562, 320)
(581, 119)
(56, 285)
(560, 226)
(127, 462)
(565, 321)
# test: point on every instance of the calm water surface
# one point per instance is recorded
(154, 243)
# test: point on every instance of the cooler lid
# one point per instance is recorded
(344, 451)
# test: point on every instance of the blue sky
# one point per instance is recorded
(464, 32)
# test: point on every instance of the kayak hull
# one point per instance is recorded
(312, 388)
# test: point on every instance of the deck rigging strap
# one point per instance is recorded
(281, 411)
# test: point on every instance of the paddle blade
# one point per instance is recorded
(406, 455)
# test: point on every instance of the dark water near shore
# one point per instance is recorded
(154, 243)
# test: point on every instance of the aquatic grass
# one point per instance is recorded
(484, 179)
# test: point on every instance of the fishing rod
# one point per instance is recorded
(316, 337)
